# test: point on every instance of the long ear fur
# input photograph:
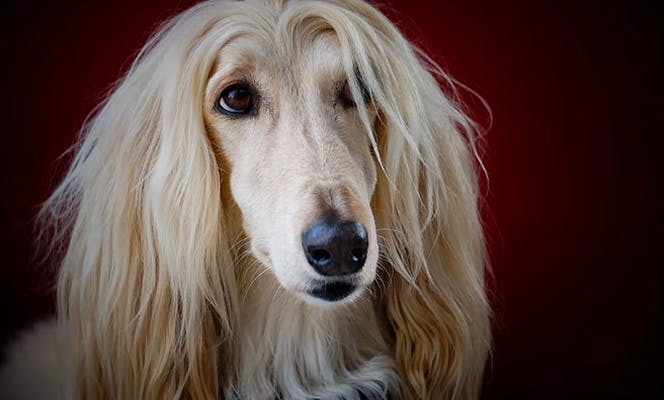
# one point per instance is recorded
(427, 206)
(433, 239)
(426, 209)
(432, 236)
(146, 286)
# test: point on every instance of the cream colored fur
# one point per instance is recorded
(184, 276)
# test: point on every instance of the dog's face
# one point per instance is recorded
(300, 162)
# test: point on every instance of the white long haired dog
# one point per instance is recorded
(276, 201)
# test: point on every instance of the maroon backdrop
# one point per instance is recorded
(573, 208)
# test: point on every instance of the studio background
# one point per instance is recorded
(573, 203)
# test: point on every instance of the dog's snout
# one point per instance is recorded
(336, 248)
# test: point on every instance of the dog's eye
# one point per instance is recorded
(347, 98)
(236, 100)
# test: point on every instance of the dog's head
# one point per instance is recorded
(329, 132)
(299, 158)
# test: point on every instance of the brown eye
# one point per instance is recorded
(346, 95)
(236, 100)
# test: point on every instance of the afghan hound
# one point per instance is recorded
(277, 201)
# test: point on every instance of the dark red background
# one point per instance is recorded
(573, 208)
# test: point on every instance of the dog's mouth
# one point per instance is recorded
(332, 291)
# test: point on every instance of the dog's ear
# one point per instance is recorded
(428, 221)
(146, 285)
(426, 208)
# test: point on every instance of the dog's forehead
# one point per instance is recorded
(244, 52)
(323, 54)
(260, 54)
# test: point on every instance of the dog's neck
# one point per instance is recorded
(291, 349)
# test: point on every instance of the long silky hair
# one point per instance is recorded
(147, 288)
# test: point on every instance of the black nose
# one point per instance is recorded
(336, 248)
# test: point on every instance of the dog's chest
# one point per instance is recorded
(290, 350)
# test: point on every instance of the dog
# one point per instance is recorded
(277, 201)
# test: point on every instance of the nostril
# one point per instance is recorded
(358, 255)
(320, 256)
